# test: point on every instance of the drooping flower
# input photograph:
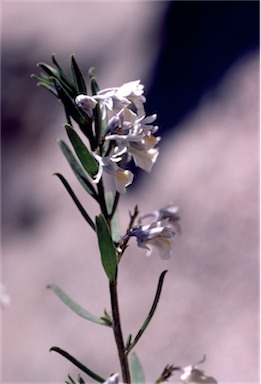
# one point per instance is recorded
(122, 178)
(86, 103)
(191, 374)
(132, 133)
(170, 212)
(131, 92)
(158, 234)
(143, 158)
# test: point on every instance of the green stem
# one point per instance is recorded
(118, 333)
(102, 201)
(114, 206)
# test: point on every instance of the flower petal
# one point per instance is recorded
(123, 179)
(86, 103)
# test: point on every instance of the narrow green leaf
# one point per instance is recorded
(136, 370)
(44, 81)
(78, 77)
(63, 75)
(107, 249)
(69, 104)
(94, 85)
(78, 364)
(77, 169)
(151, 312)
(53, 73)
(87, 160)
(48, 87)
(75, 199)
(76, 308)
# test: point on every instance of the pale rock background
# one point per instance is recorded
(208, 167)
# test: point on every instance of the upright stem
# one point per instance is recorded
(102, 201)
(118, 333)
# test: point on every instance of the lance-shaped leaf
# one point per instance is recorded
(64, 77)
(107, 248)
(151, 312)
(78, 364)
(137, 373)
(69, 104)
(56, 74)
(77, 169)
(46, 82)
(75, 199)
(78, 77)
(75, 307)
(86, 158)
(94, 85)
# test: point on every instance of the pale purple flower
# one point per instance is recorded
(122, 178)
(157, 234)
(114, 99)
(129, 132)
(170, 213)
(86, 103)
(131, 92)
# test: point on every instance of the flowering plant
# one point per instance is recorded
(115, 131)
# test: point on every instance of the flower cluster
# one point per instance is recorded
(129, 134)
(159, 232)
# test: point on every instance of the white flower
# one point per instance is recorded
(114, 99)
(131, 92)
(191, 374)
(129, 132)
(86, 103)
(114, 379)
(143, 158)
(122, 178)
(157, 234)
(170, 213)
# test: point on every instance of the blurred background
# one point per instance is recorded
(199, 62)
